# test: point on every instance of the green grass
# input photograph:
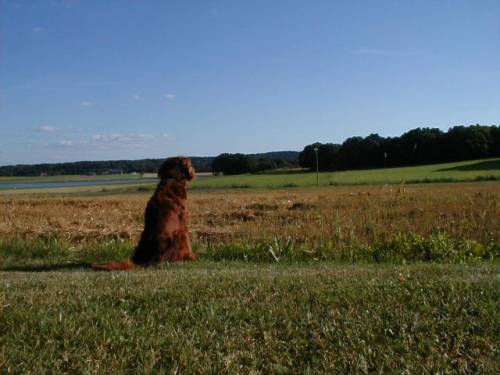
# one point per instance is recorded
(476, 170)
(267, 307)
(232, 318)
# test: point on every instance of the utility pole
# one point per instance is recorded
(317, 166)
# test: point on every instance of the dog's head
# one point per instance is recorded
(178, 168)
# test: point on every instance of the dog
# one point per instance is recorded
(165, 237)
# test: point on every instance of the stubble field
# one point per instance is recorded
(449, 222)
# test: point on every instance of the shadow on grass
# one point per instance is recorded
(46, 267)
(481, 166)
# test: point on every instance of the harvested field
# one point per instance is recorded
(322, 221)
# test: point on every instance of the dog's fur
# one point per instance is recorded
(165, 236)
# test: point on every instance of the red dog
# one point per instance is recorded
(165, 236)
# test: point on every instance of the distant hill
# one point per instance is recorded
(201, 164)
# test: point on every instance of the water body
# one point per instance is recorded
(53, 184)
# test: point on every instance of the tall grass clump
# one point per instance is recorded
(403, 248)
(439, 247)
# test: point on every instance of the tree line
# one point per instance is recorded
(230, 164)
(417, 146)
(250, 163)
(201, 164)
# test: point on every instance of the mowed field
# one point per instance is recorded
(336, 279)
(476, 170)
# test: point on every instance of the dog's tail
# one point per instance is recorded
(114, 266)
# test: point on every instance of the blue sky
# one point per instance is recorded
(129, 79)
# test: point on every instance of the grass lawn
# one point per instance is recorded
(449, 172)
(218, 318)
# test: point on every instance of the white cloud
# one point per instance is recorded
(86, 103)
(38, 29)
(120, 137)
(167, 136)
(46, 129)
(66, 144)
(111, 142)
(63, 143)
(129, 141)
(170, 96)
(136, 97)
